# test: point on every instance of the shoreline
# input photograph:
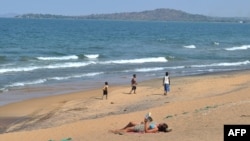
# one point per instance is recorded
(39, 91)
(216, 95)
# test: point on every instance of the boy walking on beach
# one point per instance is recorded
(166, 83)
(133, 84)
(105, 90)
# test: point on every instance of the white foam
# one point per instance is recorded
(18, 84)
(149, 69)
(216, 43)
(92, 56)
(40, 81)
(224, 64)
(71, 57)
(76, 76)
(81, 64)
(244, 47)
(52, 66)
(137, 61)
(18, 69)
(154, 69)
(190, 46)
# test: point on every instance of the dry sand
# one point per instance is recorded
(197, 108)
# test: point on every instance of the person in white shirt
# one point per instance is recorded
(166, 83)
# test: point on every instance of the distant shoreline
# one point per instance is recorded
(162, 14)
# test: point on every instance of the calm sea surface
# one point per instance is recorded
(46, 57)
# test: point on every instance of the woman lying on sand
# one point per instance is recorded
(144, 127)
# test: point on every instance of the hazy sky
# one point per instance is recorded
(221, 8)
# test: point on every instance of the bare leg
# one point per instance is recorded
(130, 124)
(128, 128)
(131, 91)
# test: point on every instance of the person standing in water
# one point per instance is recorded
(166, 83)
(133, 84)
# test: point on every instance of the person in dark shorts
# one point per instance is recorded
(133, 84)
(105, 90)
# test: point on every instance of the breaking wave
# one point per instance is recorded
(81, 64)
(71, 57)
(190, 46)
(244, 47)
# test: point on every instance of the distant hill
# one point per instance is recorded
(149, 15)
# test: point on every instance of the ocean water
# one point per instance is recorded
(72, 55)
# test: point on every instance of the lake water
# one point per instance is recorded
(41, 57)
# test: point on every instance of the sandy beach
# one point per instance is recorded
(197, 108)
